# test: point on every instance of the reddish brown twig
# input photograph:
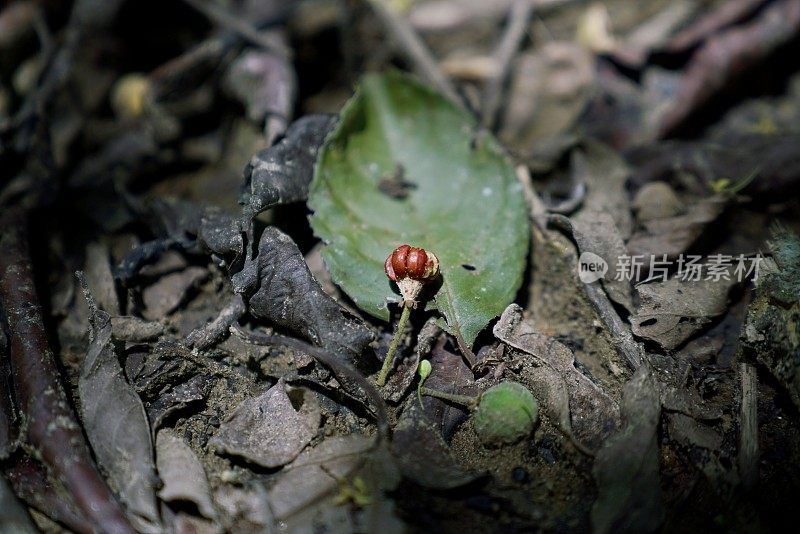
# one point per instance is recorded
(726, 15)
(49, 422)
(725, 57)
(30, 482)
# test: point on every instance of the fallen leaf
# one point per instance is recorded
(281, 173)
(548, 91)
(267, 429)
(395, 129)
(282, 291)
(314, 473)
(116, 424)
(422, 454)
(670, 312)
(450, 375)
(182, 473)
(163, 297)
(674, 235)
(571, 400)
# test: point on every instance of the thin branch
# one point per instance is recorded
(415, 49)
(231, 22)
(748, 426)
(621, 335)
(50, 423)
(338, 366)
(518, 19)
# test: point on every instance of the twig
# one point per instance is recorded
(338, 366)
(50, 423)
(415, 49)
(216, 330)
(516, 30)
(30, 481)
(748, 427)
(465, 349)
(727, 14)
(235, 24)
(726, 56)
(461, 400)
(621, 335)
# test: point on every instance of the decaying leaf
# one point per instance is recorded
(450, 374)
(169, 292)
(549, 90)
(182, 473)
(314, 473)
(281, 290)
(422, 454)
(464, 203)
(176, 397)
(267, 429)
(597, 235)
(626, 467)
(688, 431)
(670, 312)
(674, 235)
(116, 424)
(282, 173)
(246, 506)
(571, 400)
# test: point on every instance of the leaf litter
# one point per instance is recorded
(652, 413)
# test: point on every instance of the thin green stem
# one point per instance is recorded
(398, 333)
(463, 400)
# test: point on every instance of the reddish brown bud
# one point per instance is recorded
(399, 261)
(415, 263)
(411, 262)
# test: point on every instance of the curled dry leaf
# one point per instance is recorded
(670, 312)
(163, 297)
(549, 90)
(282, 291)
(267, 429)
(115, 421)
(282, 173)
(182, 473)
(314, 473)
(674, 235)
(422, 454)
(572, 401)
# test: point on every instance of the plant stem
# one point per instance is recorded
(398, 333)
(463, 400)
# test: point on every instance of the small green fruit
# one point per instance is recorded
(506, 413)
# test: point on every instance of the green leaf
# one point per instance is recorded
(458, 197)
